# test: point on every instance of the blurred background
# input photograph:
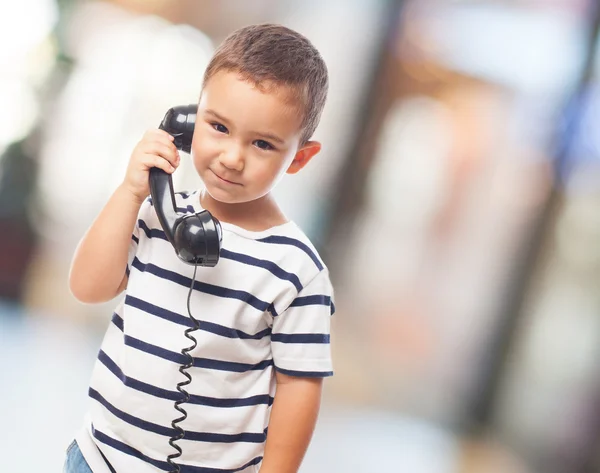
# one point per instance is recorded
(456, 202)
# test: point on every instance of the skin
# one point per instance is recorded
(246, 137)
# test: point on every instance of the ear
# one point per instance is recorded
(303, 156)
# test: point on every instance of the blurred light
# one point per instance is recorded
(578, 234)
(533, 50)
(146, 5)
(19, 110)
(386, 441)
(40, 62)
(22, 27)
(411, 165)
(580, 170)
(130, 69)
(25, 61)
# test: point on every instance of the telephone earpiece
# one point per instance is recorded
(196, 238)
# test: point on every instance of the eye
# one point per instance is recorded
(262, 144)
(220, 128)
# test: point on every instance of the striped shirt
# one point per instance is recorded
(265, 306)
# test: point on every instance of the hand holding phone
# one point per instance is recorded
(195, 237)
(156, 149)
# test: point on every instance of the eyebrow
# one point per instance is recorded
(208, 111)
(268, 136)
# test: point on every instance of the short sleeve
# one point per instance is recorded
(300, 338)
(140, 224)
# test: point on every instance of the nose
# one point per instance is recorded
(232, 158)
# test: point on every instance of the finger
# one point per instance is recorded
(167, 151)
(153, 161)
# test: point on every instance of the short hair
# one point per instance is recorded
(273, 53)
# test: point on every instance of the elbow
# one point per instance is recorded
(85, 291)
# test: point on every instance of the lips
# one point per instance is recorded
(225, 180)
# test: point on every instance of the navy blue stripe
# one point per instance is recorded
(202, 286)
(187, 322)
(120, 446)
(273, 311)
(300, 338)
(151, 232)
(110, 467)
(208, 363)
(317, 299)
(305, 374)
(281, 240)
(248, 437)
(134, 238)
(260, 263)
(183, 194)
(118, 321)
(187, 209)
(163, 465)
(176, 395)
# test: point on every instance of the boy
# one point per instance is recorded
(264, 309)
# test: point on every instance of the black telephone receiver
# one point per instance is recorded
(196, 238)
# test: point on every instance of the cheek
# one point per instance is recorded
(264, 173)
(202, 146)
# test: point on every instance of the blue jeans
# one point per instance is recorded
(75, 463)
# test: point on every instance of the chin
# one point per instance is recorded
(225, 197)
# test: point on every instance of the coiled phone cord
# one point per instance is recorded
(186, 396)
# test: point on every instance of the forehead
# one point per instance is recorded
(265, 106)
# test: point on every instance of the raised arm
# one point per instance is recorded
(98, 269)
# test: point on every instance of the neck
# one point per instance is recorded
(256, 215)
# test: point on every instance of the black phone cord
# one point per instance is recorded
(183, 370)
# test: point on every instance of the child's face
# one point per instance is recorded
(245, 139)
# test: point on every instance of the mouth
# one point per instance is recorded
(222, 179)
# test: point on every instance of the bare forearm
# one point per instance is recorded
(293, 418)
(100, 261)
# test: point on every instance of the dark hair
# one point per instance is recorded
(269, 53)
